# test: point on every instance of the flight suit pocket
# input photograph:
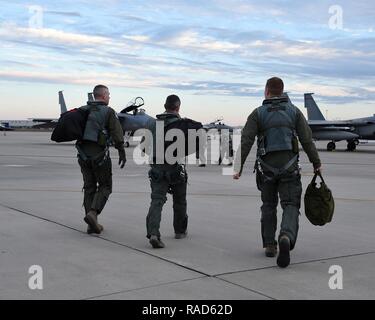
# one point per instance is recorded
(155, 176)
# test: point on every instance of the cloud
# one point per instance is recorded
(63, 13)
(112, 79)
(219, 88)
(331, 93)
(184, 39)
(221, 47)
(23, 64)
(12, 32)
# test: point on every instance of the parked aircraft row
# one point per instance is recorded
(134, 117)
(350, 130)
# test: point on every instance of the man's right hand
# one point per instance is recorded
(318, 170)
(236, 176)
(122, 158)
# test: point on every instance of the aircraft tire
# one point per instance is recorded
(351, 146)
(331, 146)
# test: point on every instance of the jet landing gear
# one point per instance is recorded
(352, 145)
(331, 146)
(127, 135)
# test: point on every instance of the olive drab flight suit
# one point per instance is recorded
(167, 178)
(277, 124)
(93, 154)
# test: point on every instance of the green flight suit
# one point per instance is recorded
(164, 179)
(168, 178)
(286, 186)
(95, 161)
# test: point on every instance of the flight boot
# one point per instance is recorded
(156, 242)
(90, 231)
(283, 259)
(92, 220)
(180, 235)
(271, 250)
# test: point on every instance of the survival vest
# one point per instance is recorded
(277, 118)
(95, 130)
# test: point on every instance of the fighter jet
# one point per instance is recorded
(5, 127)
(131, 118)
(333, 131)
(50, 123)
(217, 124)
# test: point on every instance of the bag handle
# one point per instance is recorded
(320, 176)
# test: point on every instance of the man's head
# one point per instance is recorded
(172, 104)
(274, 88)
(101, 93)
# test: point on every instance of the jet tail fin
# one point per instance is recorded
(62, 102)
(313, 111)
(90, 96)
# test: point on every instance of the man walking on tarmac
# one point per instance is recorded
(168, 176)
(93, 155)
(277, 124)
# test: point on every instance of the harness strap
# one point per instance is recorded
(85, 158)
(278, 171)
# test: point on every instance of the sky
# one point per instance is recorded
(216, 55)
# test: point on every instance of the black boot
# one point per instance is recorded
(90, 231)
(92, 220)
(271, 250)
(156, 242)
(283, 259)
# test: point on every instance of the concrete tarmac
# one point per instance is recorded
(41, 223)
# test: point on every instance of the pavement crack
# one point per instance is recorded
(203, 274)
(248, 289)
(109, 240)
(142, 288)
(296, 263)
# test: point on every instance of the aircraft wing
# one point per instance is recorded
(340, 125)
(362, 122)
(333, 128)
(43, 120)
(329, 123)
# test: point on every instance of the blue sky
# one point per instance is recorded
(216, 55)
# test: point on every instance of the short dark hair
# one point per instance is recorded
(172, 103)
(99, 90)
(275, 86)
